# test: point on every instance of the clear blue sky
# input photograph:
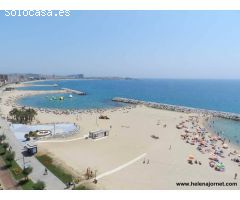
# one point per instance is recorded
(151, 44)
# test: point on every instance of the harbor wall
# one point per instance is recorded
(226, 115)
(74, 91)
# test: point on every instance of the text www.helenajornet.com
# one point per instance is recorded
(207, 184)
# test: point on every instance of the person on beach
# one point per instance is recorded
(170, 147)
(45, 171)
(235, 176)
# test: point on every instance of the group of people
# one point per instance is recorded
(206, 143)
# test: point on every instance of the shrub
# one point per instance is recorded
(26, 171)
(5, 145)
(9, 157)
(2, 138)
(40, 185)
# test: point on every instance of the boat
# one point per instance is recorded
(70, 96)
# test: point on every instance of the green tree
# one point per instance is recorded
(27, 137)
(2, 138)
(26, 171)
(23, 115)
(5, 145)
(39, 185)
(9, 156)
(14, 113)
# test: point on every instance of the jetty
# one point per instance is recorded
(40, 85)
(162, 106)
(74, 91)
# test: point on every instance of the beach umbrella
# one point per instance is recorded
(190, 157)
(220, 166)
(225, 146)
(213, 157)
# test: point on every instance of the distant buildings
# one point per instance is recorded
(14, 78)
(3, 79)
(17, 78)
(76, 76)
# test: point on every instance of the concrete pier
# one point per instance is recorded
(74, 91)
(226, 115)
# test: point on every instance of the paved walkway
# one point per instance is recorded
(51, 181)
(61, 141)
(6, 179)
(121, 167)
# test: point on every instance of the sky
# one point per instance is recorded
(139, 44)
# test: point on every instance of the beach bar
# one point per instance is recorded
(98, 134)
(31, 148)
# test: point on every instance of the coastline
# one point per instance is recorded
(130, 137)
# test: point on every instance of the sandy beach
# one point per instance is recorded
(144, 150)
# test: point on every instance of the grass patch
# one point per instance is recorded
(15, 170)
(26, 184)
(1, 150)
(57, 170)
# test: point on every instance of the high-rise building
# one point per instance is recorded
(3, 79)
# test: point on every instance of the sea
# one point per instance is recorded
(220, 95)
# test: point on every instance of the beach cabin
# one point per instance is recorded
(98, 134)
(31, 148)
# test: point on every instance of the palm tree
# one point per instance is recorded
(23, 115)
(13, 113)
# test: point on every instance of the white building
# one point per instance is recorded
(98, 134)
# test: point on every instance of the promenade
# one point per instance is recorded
(51, 181)
(7, 182)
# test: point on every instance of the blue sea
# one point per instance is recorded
(221, 95)
(226, 128)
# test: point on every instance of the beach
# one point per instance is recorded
(144, 149)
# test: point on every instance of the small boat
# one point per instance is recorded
(61, 98)
(70, 96)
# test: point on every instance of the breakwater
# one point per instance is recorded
(74, 91)
(40, 85)
(226, 115)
